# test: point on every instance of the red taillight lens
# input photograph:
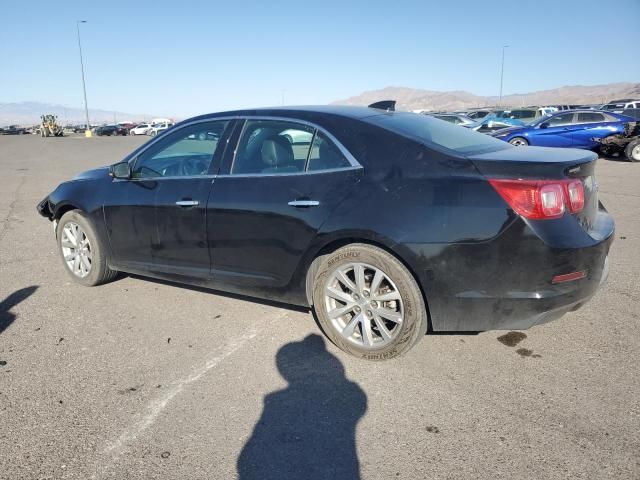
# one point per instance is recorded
(541, 199)
(575, 195)
(552, 200)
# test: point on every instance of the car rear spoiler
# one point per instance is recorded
(388, 105)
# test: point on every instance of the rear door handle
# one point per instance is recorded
(304, 203)
(187, 203)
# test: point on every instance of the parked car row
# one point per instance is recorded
(13, 130)
(152, 128)
(605, 129)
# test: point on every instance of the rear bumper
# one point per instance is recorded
(506, 283)
(523, 310)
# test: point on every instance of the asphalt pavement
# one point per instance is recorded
(139, 379)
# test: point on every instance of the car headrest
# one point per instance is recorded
(276, 150)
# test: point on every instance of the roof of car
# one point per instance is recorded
(622, 100)
(349, 111)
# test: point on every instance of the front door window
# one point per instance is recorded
(187, 152)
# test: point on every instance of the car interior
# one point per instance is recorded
(279, 148)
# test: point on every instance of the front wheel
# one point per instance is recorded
(519, 142)
(632, 151)
(368, 303)
(81, 251)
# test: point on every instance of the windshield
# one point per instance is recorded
(614, 106)
(439, 134)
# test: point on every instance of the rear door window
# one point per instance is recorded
(589, 117)
(272, 147)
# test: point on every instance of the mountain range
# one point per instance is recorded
(28, 113)
(418, 99)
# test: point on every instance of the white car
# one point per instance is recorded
(619, 106)
(141, 129)
(157, 128)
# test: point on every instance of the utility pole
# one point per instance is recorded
(502, 74)
(87, 132)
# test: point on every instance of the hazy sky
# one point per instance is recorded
(186, 57)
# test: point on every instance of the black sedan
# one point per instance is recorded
(111, 130)
(387, 224)
(13, 130)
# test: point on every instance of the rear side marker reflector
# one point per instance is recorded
(569, 277)
(541, 199)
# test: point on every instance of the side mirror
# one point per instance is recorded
(120, 170)
(544, 125)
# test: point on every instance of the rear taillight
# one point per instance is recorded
(575, 195)
(541, 199)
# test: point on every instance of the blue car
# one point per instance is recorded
(573, 129)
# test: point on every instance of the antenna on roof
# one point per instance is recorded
(388, 105)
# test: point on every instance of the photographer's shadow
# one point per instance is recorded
(306, 431)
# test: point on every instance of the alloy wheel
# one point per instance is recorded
(364, 305)
(635, 153)
(76, 249)
(518, 142)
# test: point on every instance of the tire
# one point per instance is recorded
(98, 272)
(519, 142)
(154, 133)
(632, 150)
(408, 305)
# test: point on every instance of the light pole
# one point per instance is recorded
(87, 131)
(502, 74)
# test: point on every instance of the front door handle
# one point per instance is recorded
(304, 203)
(187, 203)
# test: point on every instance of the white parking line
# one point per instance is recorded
(116, 448)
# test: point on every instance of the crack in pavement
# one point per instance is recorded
(12, 206)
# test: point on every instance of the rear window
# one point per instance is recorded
(438, 134)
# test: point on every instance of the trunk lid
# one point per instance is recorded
(543, 163)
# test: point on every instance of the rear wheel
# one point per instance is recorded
(632, 151)
(368, 303)
(519, 142)
(81, 250)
